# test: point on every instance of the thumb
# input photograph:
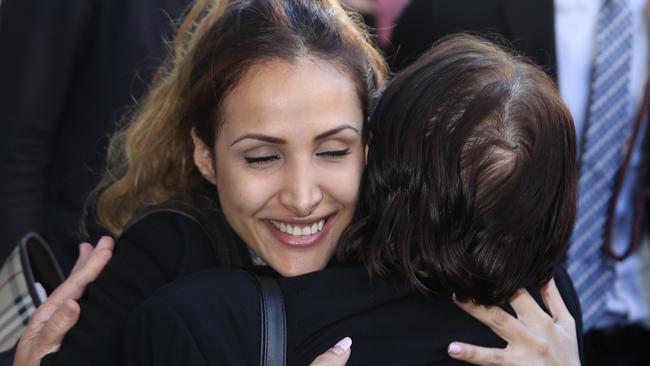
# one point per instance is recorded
(335, 356)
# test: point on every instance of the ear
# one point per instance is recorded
(203, 158)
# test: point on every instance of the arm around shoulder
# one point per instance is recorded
(157, 335)
(149, 254)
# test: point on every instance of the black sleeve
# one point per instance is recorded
(157, 335)
(7, 357)
(150, 254)
(40, 42)
(211, 318)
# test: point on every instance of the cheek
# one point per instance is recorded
(240, 194)
(343, 183)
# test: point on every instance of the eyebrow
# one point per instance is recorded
(279, 141)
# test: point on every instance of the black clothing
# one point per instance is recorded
(618, 346)
(152, 252)
(528, 25)
(69, 70)
(213, 318)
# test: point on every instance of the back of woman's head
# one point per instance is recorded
(150, 161)
(470, 183)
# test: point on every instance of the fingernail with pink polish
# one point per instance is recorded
(342, 346)
(455, 349)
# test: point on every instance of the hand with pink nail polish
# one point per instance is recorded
(335, 356)
(534, 337)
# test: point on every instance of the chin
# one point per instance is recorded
(299, 269)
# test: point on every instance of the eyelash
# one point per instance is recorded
(261, 159)
(334, 153)
(265, 159)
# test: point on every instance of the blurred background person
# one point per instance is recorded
(380, 15)
(69, 71)
(598, 53)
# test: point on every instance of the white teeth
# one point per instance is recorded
(298, 230)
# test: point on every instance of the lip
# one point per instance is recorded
(301, 241)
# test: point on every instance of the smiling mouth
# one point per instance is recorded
(299, 230)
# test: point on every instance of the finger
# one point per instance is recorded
(57, 326)
(503, 324)
(554, 303)
(85, 249)
(528, 311)
(477, 355)
(106, 242)
(96, 261)
(335, 356)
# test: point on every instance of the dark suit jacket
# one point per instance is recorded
(528, 24)
(213, 318)
(68, 70)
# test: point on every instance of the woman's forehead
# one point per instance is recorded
(278, 97)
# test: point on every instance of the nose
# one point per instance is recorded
(302, 193)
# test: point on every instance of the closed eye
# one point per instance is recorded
(261, 159)
(334, 153)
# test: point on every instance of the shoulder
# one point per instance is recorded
(159, 222)
(212, 308)
(156, 334)
(216, 287)
(172, 240)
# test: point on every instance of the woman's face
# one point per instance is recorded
(289, 159)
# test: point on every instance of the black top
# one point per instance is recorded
(213, 318)
(152, 252)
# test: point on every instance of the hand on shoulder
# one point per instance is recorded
(534, 337)
(54, 317)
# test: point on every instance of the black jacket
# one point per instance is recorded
(154, 251)
(213, 318)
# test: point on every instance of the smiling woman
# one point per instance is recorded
(469, 189)
(256, 124)
(288, 160)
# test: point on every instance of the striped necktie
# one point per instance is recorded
(605, 137)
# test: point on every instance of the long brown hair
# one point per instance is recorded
(150, 159)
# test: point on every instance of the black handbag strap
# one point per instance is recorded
(273, 325)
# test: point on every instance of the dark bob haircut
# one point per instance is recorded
(470, 186)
